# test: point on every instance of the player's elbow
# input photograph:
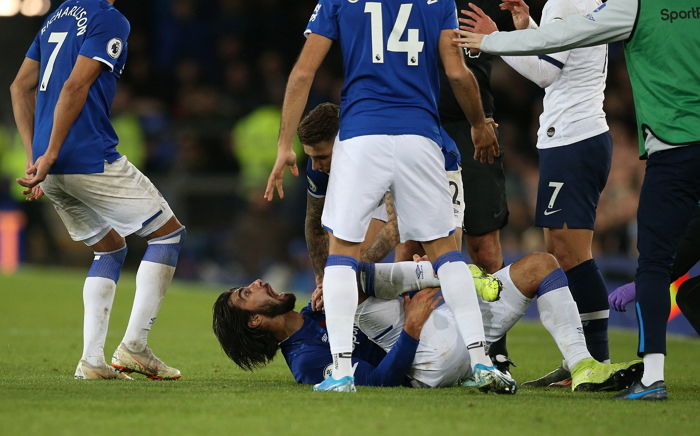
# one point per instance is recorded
(457, 76)
(18, 88)
(301, 75)
(74, 87)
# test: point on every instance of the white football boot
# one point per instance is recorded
(85, 371)
(143, 362)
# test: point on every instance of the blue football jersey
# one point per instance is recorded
(390, 59)
(94, 29)
(317, 181)
(308, 355)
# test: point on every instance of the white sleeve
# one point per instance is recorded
(612, 21)
(543, 70)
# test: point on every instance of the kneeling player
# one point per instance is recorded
(251, 322)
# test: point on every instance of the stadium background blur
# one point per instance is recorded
(198, 109)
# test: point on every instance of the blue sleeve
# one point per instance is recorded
(324, 19)
(34, 51)
(106, 40)
(392, 370)
(450, 21)
(316, 181)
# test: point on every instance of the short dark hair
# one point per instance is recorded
(321, 124)
(248, 347)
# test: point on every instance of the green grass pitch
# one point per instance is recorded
(40, 340)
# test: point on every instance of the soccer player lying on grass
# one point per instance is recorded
(415, 342)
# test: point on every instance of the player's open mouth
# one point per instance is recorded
(272, 293)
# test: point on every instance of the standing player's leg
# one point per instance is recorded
(425, 214)
(485, 213)
(538, 275)
(572, 248)
(361, 173)
(83, 224)
(571, 180)
(484, 200)
(127, 201)
(669, 197)
(153, 277)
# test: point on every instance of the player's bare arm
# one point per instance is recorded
(466, 91)
(295, 97)
(387, 239)
(23, 94)
(70, 104)
(316, 236)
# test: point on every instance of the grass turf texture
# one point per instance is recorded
(41, 328)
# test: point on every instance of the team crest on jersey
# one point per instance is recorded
(114, 47)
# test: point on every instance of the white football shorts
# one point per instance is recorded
(412, 167)
(120, 198)
(456, 193)
(442, 358)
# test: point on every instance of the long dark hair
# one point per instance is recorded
(249, 348)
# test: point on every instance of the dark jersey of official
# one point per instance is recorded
(481, 67)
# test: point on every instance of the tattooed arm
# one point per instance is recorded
(387, 238)
(316, 236)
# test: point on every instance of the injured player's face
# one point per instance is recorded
(320, 154)
(259, 297)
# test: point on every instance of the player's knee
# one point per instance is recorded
(112, 241)
(109, 264)
(542, 264)
(490, 259)
(486, 252)
(170, 226)
(547, 262)
(166, 249)
(565, 257)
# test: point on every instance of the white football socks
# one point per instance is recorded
(340, 302)
(98, 296)
(393, 279)
(653, 368)
(460, 296)
(559, 315)
(152, 281)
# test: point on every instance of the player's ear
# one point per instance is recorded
(255, 321)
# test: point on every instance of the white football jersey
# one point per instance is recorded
(573, 103)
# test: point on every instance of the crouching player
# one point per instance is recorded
(61, 100)
(252, 322)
